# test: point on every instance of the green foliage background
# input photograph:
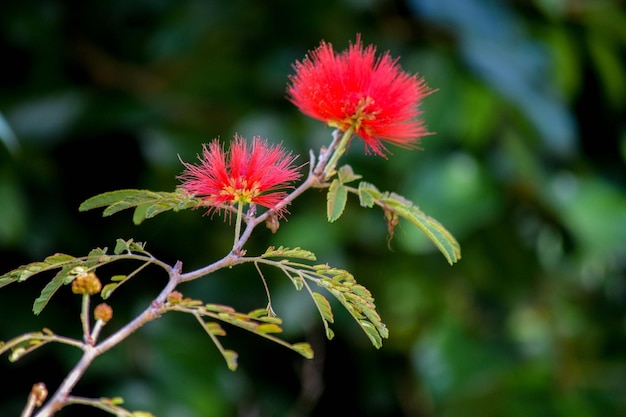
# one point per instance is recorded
(526, 169)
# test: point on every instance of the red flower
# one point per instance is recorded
(251, 174)
(356, 89)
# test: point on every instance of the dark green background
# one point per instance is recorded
(526, 169)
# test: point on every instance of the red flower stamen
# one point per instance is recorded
(355, 89)
(252, 174)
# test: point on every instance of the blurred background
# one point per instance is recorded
(526, 168)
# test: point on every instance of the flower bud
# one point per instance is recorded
(103, 312)
(86, 284)
(39, 392)
(174, 297)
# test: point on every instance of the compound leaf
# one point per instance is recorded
(147, 203)
(397, 205)
(281, 251)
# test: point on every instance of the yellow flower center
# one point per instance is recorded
(362, 112)
(240, 192)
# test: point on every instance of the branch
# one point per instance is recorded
(316, 178)
(61, 396)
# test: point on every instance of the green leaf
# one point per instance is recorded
(96, 256)
(231, 359)
(26, 271)
(215, 329)
(268, 328)
(139, 215)
(219, 308)
(303, 349)
(330, 334)
(70, 268)
(324, 307)
(259, 312)
(358, 301)
(22, 273)
(372, 333)
(129, 246)
(50, 288)
(368, 194)
(152, 210)
(272, 252)
(257, 321)
(297, 280)
(121, 246)
(396, 204)
(58, 258)
(108, 289)
(239, 320)
(116, 201)
(346, 174)
(355, 298)
(24, 344)
(147, 203)
(443, 240)
(115, 400)
(263, 315)
(336, 200)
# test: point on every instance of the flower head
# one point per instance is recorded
(103, 312)
(86, 284)
(251, 174)
(355, 89)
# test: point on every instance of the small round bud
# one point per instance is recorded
(39, 392)
(86, 284)
(175, 297)
(103, 312)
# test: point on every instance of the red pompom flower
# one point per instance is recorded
(252, 174)
(355, 89)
